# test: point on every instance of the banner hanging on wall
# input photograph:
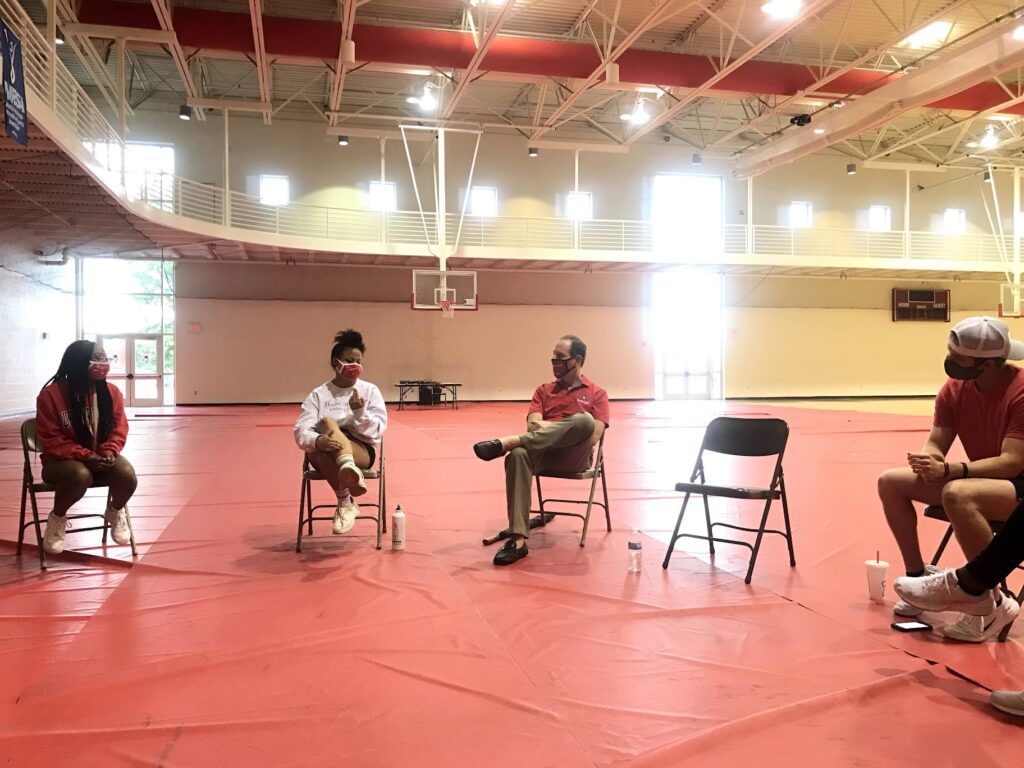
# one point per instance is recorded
(15, 115)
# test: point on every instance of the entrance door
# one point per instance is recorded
(136, 366)
(687, 316)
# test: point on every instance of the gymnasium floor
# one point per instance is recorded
(222, 646)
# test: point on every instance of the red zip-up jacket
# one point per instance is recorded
(56, 435)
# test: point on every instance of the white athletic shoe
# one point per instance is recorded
(978, 629)
(1010, 702)
(53, 537)
(905, 609)
(345, 515)
(118, 521)
(352, 478)
(941, 592)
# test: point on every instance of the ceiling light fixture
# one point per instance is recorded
(639, 114)
(782, 9)
(987, 176)
(428, 100)
(184, 112)
(934, 34)
(343, 141)
(851, 169)
(533, 152)
(696, 159)
(59, 38)
(1018, 33)
(819, 131)
(989, 140)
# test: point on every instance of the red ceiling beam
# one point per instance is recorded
(319, 40)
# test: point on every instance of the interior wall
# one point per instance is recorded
(783, 336)
(277, 351)
(322, 173)
(37, 314)
(798, 337)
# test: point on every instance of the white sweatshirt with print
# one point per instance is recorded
(368, 423)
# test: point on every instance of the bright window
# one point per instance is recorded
(483, 201)
(579, 206)
(799, 215)
(274, 190)
(954, 221)
(148, 170)
(690, 204)
(879, 218)
(383, 196)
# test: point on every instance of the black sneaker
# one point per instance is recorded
(509, 553)
(488, 449)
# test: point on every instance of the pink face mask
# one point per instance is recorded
(350, 371)
(98, 371)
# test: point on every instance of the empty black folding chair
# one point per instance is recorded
(739, 437)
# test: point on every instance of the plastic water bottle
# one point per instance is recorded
(636, 557)
(398, 528)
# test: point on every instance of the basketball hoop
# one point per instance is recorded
(447, 309)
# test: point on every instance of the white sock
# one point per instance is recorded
(344, 496)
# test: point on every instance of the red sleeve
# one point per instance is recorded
(1015, 418)
(115, 443)
(600, 407)
(49, 433)
(537, 404)
(944, 416)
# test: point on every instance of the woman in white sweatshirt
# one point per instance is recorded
(341, 424)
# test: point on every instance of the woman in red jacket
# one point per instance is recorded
(81, 427)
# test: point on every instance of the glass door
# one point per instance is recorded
(136, 367)
(687, 317)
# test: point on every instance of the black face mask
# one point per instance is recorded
(963, 372)
(560, 367)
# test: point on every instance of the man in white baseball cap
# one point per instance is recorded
(982, 403)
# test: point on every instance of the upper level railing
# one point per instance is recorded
(206, 203)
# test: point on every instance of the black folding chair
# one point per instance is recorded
(307, 508)
(936, 512)
(739, 437)
(30, 488)
(595, 473)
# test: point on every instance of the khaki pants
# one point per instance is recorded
(564, 446)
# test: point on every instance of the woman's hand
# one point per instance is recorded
(356, 402)
(328, 444)
(98, 463)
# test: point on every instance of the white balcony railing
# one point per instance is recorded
(204, 203)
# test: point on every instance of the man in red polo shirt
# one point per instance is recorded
(566, 420)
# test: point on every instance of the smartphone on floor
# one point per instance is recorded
(911, 626)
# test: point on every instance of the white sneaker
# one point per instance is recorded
(352, 478)
(978, 629)
(1011, 702)
(118, 521)
(53, 537)
(941, 592)
(905, 609)
(345, 516)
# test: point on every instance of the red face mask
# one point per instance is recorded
(350, 371)
(98, 371)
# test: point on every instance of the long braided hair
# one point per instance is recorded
(74, 370)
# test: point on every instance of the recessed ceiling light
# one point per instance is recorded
(934, 34)
(782, 9)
